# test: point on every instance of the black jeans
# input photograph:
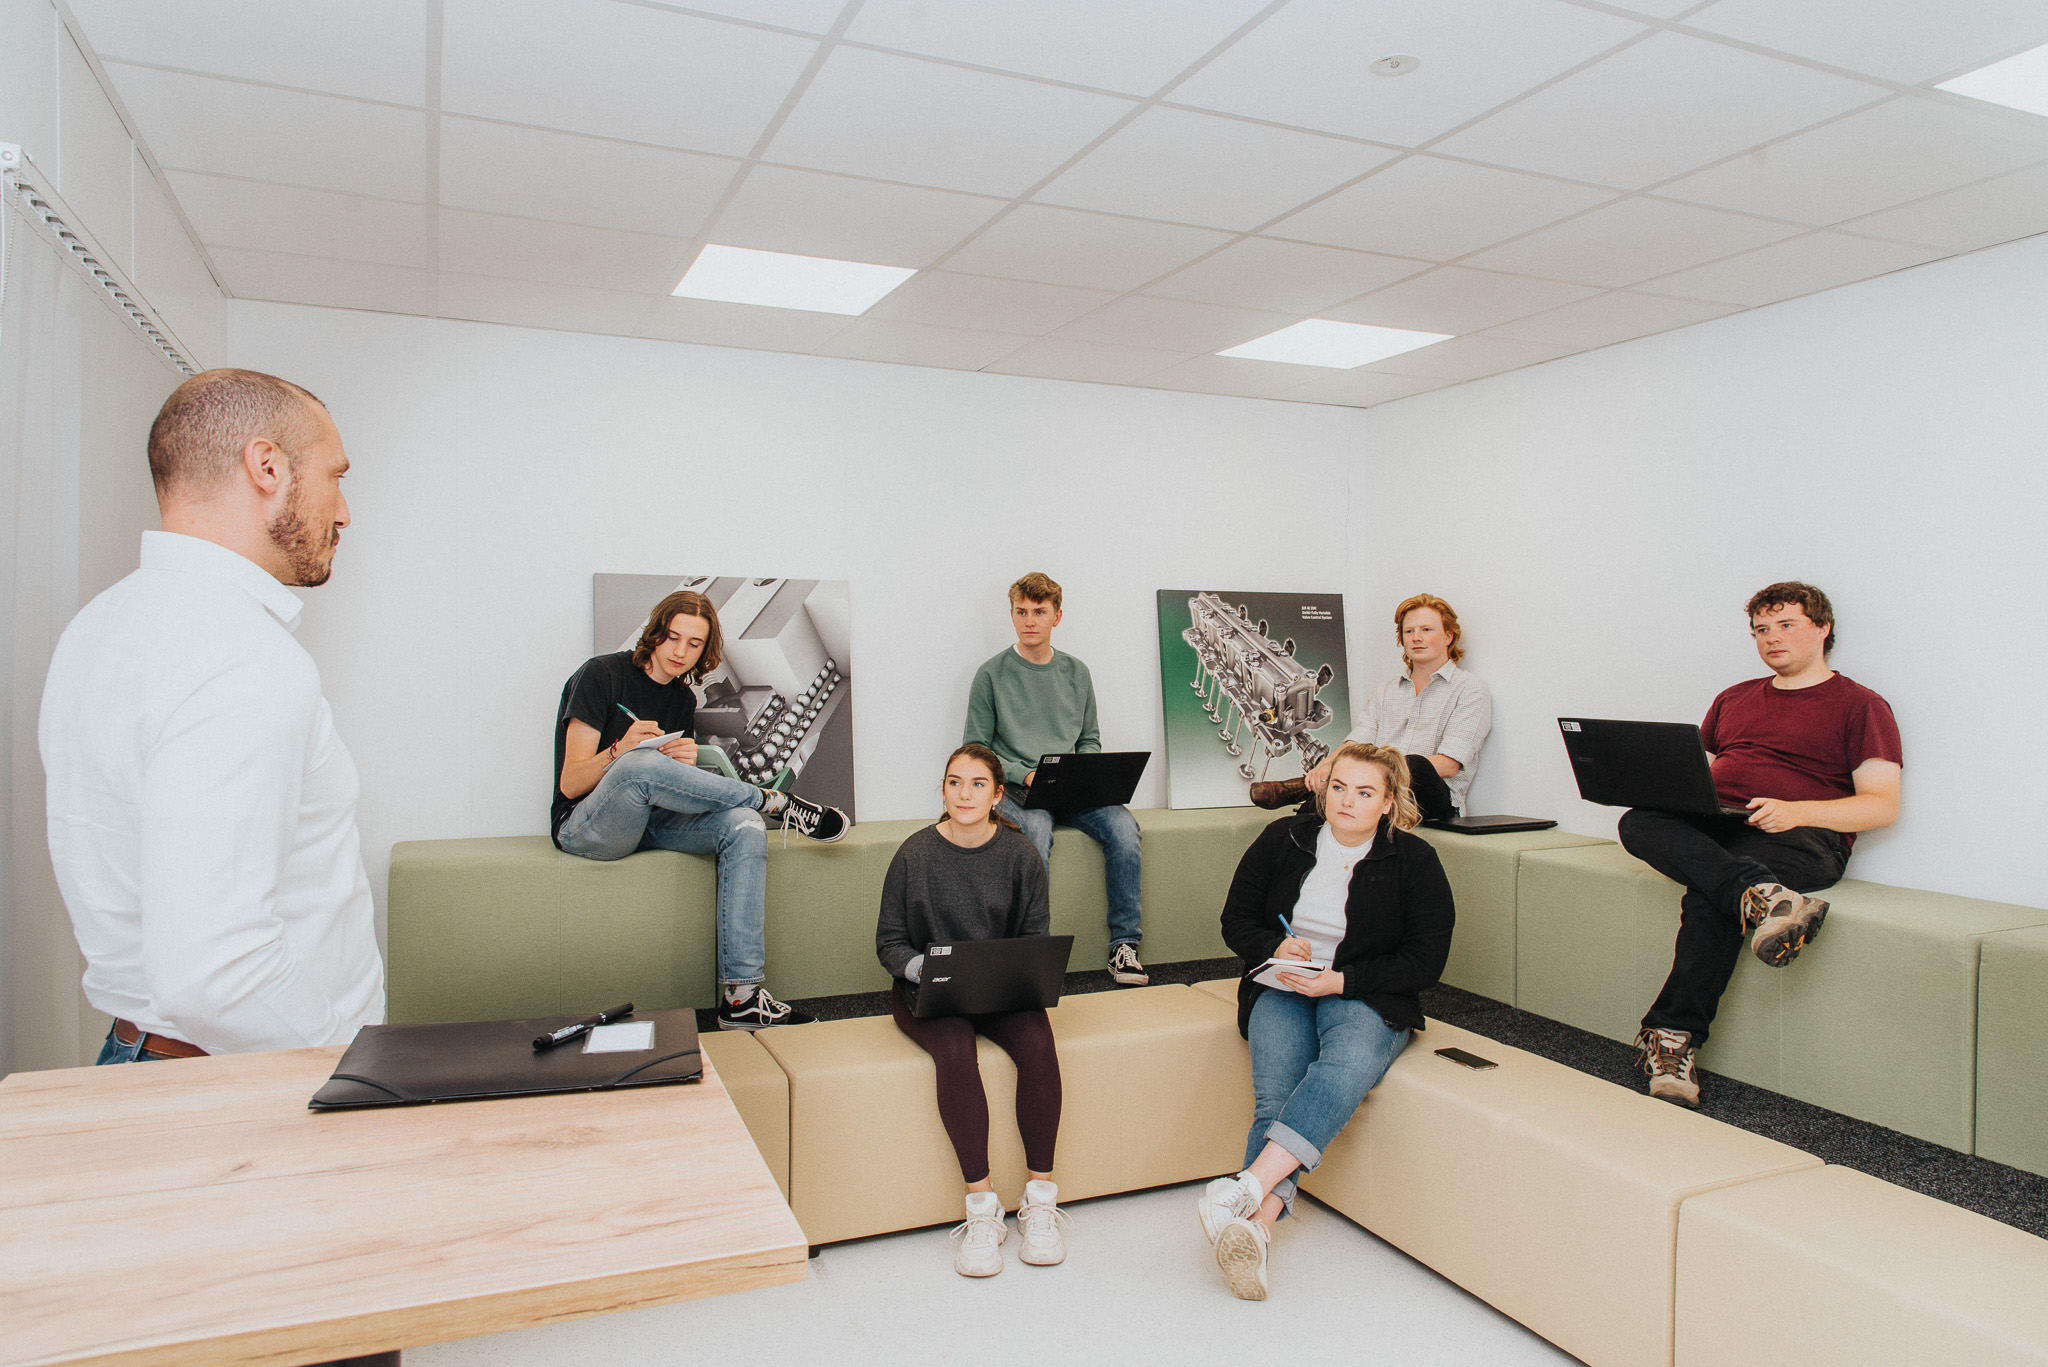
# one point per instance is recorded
(1716, 857)
(1432, 794)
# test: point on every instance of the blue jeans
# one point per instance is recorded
(1313, 1061)
(647, 801)
(1113, 828)
(113, 1051)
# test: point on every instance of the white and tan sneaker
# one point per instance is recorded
(1039, 1221)
(981, 1236)
(1227, 1199)
(1786, 921)
(1668, 1059)
(1241, 1253)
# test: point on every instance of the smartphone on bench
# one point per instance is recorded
(1469, 1060)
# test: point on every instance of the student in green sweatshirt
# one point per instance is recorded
(1030, 701)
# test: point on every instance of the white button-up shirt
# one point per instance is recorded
(202, 811)
(1451, 717)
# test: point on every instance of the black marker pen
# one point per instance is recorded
(569, 1032)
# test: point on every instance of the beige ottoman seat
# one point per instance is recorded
(1157, 1090)
(759, 1092)
(1833, 1268)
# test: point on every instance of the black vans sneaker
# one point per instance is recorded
(758, 1011)
(807, 818)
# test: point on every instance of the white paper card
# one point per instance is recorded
(658, 741)
(627, 1037)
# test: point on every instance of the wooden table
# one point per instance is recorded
(195, 1211)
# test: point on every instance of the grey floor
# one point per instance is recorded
(1139, 1285)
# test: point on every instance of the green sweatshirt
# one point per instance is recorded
(1023, 711)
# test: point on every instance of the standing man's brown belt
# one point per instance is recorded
(128, 1034)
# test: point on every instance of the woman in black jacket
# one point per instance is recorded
(1348, 887)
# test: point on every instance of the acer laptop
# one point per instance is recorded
(1075, 783)
(1660, 765)
(979, 977)
(1491, 825)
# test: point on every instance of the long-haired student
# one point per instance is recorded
(1347, 886)
(973, 876)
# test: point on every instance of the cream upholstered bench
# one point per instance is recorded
(760, 1093)
(1830, 1267)
(1157, 1090)
(1551, 1195)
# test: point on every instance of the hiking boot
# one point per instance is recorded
(1039, 1221)
(1125, 968)
(1241, 1253)
(1785, 921)
(1287, 792)
(981, 1236)
(758, 1010)
(807, 818)
(1668, 1059)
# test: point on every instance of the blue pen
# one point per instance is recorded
(1286, 925)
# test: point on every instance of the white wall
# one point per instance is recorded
(496, 469)
(1599, 522)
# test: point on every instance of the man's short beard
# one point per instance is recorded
(308, 551)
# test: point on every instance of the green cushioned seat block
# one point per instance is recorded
(510, 926)
(823, 901)
(1483, 871)
(2012, 1049)
(1190, 858)
(1595, 928)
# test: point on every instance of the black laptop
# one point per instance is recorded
(1660, 765)
(1075, 783)
(978, 977)
(1491, 825)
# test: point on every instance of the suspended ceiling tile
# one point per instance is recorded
(1456, 299)
(1657, 9)
(1230, 375)
(881, 339)
(618, 71)
(1438, 210)
(1310, 64)
(714, 323)
(1132, 45)
(1060, 358)
(496, 168)
(926, 123)
(324, 281)
(1612, 317)
(372, 49)
(981, 302)
(1361, 388)
(199, 123)
(1981, 215)
(1785, 270)
(529, 304)
(1657, 109)
(1631, 240)
(1093, 251)
(94, 161)
(1908, 41)
(1292, 277)
(1248, 173)
(559, 253)
(1904, 150)
(812, 16)
(1468, 358)
(260, 216)
(810, 213)
(1174, 325)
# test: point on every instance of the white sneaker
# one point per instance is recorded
(981, 1236)
(1038, 1225)
(1241, 1253)
(1227, 1199)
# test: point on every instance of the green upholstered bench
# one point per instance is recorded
(1483, 870)
(2012, 1049)
(1877, 1020)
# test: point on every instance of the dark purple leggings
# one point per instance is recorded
(1026, 1036)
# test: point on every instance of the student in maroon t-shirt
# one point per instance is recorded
(1815, 757)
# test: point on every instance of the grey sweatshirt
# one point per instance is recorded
(936, 892)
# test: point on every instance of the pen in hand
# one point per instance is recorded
(582, 1027)
(627, 710)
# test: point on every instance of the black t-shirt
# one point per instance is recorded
(593, 696)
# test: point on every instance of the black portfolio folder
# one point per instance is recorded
(400, 1065)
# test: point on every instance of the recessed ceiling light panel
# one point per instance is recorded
(1340, 346)
(781, 280)
(2019, 82)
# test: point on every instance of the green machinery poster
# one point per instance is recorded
(1253, 687)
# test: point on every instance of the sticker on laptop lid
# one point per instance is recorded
(1568, 725)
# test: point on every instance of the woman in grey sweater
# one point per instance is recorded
(973, 876)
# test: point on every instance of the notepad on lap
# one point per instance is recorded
(1269, 972)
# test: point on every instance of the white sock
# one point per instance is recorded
(773, 800)
(737, 993)
(1039, 1193)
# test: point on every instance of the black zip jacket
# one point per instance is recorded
(1398, 916)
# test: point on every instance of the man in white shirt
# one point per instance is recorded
(201, 807)
(1436, 712)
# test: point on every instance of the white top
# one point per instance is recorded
(1319, 915)
(202, 811)
(1450, 717)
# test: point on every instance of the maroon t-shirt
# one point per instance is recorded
(1796, 744)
